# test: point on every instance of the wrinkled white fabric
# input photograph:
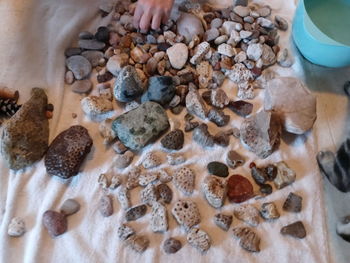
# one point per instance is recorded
(34, 35)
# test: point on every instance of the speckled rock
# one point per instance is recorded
(218, 169)
(147, 178)
(260, 133)
(161, 89)
(173, 140)
(138, 243)
(93, 56)
(70, 207)
(164, 176)
(67, 152)
(159, 218)
(171, 245)
(189, 25)
(239, 73)
(285, 176)
(16, 228)
(107, 133)
(135, 212)
(94, 106)
(165, 193)
(24, 138)
(186, 213)
(233, 159)
(199, 239)
(91, 44)
(281, 23)
(138, 127)
(296, 230)
(184, 180)
(116, 63)
(116, 181)
(125, 231)
(219, 99)
(218, 117)
(149, 194)
(202, 49)
(214, 190)
(293, 203)
(223, 221)
(123, 197)
(175, 158)
(151, 160)
(269, 211)
(178, 55)
(55, 223)
(79, 65)
(128, 85)
(195, 104)
(248, 239)
(133, 177)
(106, 206)
(247, 213)
(122, 161)
(202, 136)
(241, 108)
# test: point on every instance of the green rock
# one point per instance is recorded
(138, 127)
(218, 169)
(24, 138)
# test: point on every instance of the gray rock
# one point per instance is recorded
(218, 41)
(122, 161)
(284, 95)
(133, 178)
(202, 136)
(189, 25)
(138, 127)
(135, 212)
(233, 159)
(245, 34)
(55, 223)
(255, 51)
(91, 44)
(161, 89)
(82, 86)
(248, 239)
(67, 152)
(211, 34)
(123, 197)
(264, 11)
(242, 11)
(269, 211)
(226, 50)
(86, 35)
(218, 117)
(138, 243)
(266, 23)
(223, 221)
(171, 245)
(70, 207)
(16, 228)
(106, 206)
(343, 228)
(79, 65)
(72, 51)
(24, 138)
(296, 230)
(285, 176)
(186, 213)
(260, 133)
(248, 213)
(165, 193)
(184, 180)
(125, 231)
(216, 23)
(268, 57)
(240, 2)
(202, 49)
(199, 239)
(195, 104)
(159, 218)
(128, 85)
(281, 23)
(214, 190)
(284, 59)
(218, 169)
(293, 203)
(93, 56)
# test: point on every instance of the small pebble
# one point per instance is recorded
(223, 221)
(293, 203)
(184, 180)
(233, 159)
(175, 159)
(269, 211)
(248, 213)
(296, 230)
(151, 160)
(218, 169)
(106, 206)
(135, 212)
(16, 228)
(56, 223)
(199, 239)
(165, 193)
(123, 160)
(138, 243)
(82, 86)
(171, 245)
(125, 231)
(248, 239)
(70, 207)
(173, 140)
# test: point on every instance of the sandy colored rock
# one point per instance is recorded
(178, 55)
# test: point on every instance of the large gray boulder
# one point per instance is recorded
(293, 102)
(138, 127)
(24, 138)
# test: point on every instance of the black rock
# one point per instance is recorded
(171, 245)
(258, 175)
(173, 140)
(107, 76)
(102, 34)
(161, 89)
(72, 51)
(218, 117)
(296, 229)
(293, 203)
(241, 108)
(68, 151)
(128, 85)
(218, 169)
(163, 46)
(270, 172)
(265, 189)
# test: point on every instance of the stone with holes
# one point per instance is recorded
(184, 180)
(199, 239)
(248, 239)
(135, 212)
(173, 140)
(186, 213)
(149, 194)
(165, 193)
(247, 213)
(223, 221)
(159, 218)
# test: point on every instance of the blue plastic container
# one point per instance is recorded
(321, 31)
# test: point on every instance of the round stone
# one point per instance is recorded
(239, 189)
(171, 245)
(218, 169)
(55, 223)
(178, 55)
(82, 86)
(79, 65)
(93, 56)
(70, 207)
(173, 140)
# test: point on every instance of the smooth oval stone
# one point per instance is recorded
(55, 223)
(91, 44)
(82, 86)
(79, 65)
(70, 207)
(171, 245)
(93, 56)
(72, 51)
(218, 169)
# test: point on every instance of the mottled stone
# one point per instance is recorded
(149, 194)
(184, 180)
(195, 104)
(151, 160)
(247, 213)
(161, 89)
(125, 231)
(214, 190)
(223, 221)
(186, 213)
(116, 63)
(16, 228)
(138, 243)
(218, 117)
(128, 85)
(165, 193)
(94, 106)
(171, 245)
(135, 212)
(123, 197)
(269, 211)
(241, 108)
(173, 140)
(159, 218)
(296, 230)
(106, 206)
(147, 178)
(55, 223)
(285, 176)
(202, 136)
(233, 159)
(122, 161)
(199, 239)
(248, 239)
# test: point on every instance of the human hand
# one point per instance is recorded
(152, 13)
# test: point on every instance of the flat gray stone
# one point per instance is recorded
(79, 65)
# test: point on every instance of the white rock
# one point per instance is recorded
(245, 34)
(234, 39)
(151, 160)
(242, 11)
(196, 105)
(202, 49)
(199, 239)
(159, 218)
(239, 73)
(264, 22)
(189, 25)
(186, 213)
(254, 51)
(227, 50)
(221, 39)
(95, 106)
(248, 213)
(178, 55)
(16, 228)
(284, 59)
(293, 102)
(229, 26)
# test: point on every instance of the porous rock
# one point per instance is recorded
(186, 213)
(94, 106)
(199, 239)
(184, 180)
(247, 213)
(214, 190)
(196, 105)
(223, 221)
(159, 218)
(248, 239)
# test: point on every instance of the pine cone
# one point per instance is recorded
(8, 107)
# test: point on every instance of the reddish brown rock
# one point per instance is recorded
(239, 189)
(55, 223)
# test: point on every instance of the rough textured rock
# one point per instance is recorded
(138, 127)
(164, 176)
(239, 73)
(247, 213)
(176, 158)
(16, 228)
(67, 152)
(178, 55)
(269, 211)
(161, 89)
(122, 161)
(233, 159)
(296, 230)
(171, 245)
(239, 189)
(70, 207)
(105, 129)
(241, 108)
(260, 133)
(149, 194)
(151, 160)
(184, 180)
(165, 193)
(202, 136)
(285, 176)
(293, 102)
(106, 206)
(173, 140)
(293, 203)
(128, 85)
(219, 99)
(123, 197)
(55, 223)
(125, 231)
(218, 169)
(24, 138)
(133, 178)
(255, 51)
(202, 49)
(95, 106)
(147, 178)
(199, 239)
(248, 239)
(186, 213)
(116, 181)
(79, 65)
(138, 243)
(218, 117)
(159, 218)
(223, 221)
(189, 25)
(214, 190)
(135, 212)
(116, 63)
(195, 104)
